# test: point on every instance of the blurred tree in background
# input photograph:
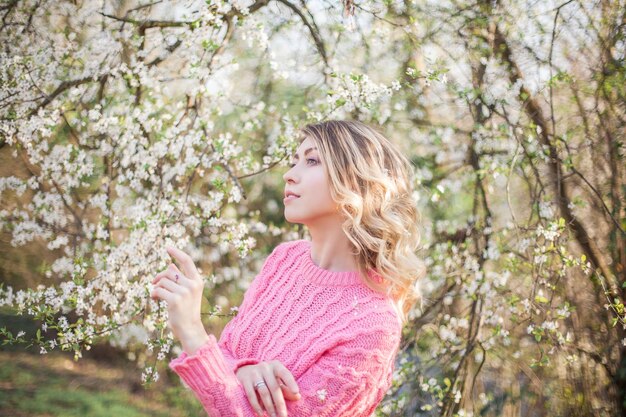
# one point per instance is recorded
(126, 126)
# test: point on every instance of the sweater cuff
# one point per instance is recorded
(205, 366)
(184, 355)
(243, 362)
(235, 363)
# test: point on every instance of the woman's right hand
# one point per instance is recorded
(280, 385)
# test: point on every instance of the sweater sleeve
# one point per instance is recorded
(209, 375)
(351, 379)
(235, 363)
(348, 380)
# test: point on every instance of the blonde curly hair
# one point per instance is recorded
(371, 182)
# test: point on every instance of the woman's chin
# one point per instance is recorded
(292, 218)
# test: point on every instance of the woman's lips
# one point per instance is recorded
(289, 198)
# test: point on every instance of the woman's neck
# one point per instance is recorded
(332, 250)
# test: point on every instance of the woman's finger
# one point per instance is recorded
(185, 261)
(279, 408)
(167, 274)
(248, 386)
(159, 276)
(266, 398)
(169, 285)
(171, 275)
(286, 376)
(161, 294)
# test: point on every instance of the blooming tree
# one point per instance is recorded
(521, 154)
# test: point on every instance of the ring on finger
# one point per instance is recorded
(177, 278)
(259, 384)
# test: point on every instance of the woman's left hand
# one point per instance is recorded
(183, 293)
(280, 385)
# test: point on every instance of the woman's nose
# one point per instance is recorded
(288, 176)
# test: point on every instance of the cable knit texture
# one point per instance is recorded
(338, 338)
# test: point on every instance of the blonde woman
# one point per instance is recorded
(319, 327)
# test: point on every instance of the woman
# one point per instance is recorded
(320, 326)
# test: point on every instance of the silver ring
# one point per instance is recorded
(258, 384)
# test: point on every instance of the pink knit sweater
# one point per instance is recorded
(338, 338)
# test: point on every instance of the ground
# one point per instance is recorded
(54, 384)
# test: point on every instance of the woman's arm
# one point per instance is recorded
(212, 380)
(198, 349)
(348, 380)
(235, 363)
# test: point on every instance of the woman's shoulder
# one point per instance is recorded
(381, 311)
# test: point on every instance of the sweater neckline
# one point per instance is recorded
(321, 276)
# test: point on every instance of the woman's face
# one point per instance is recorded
(307, 179)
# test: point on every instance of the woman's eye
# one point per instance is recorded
(309, 159)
